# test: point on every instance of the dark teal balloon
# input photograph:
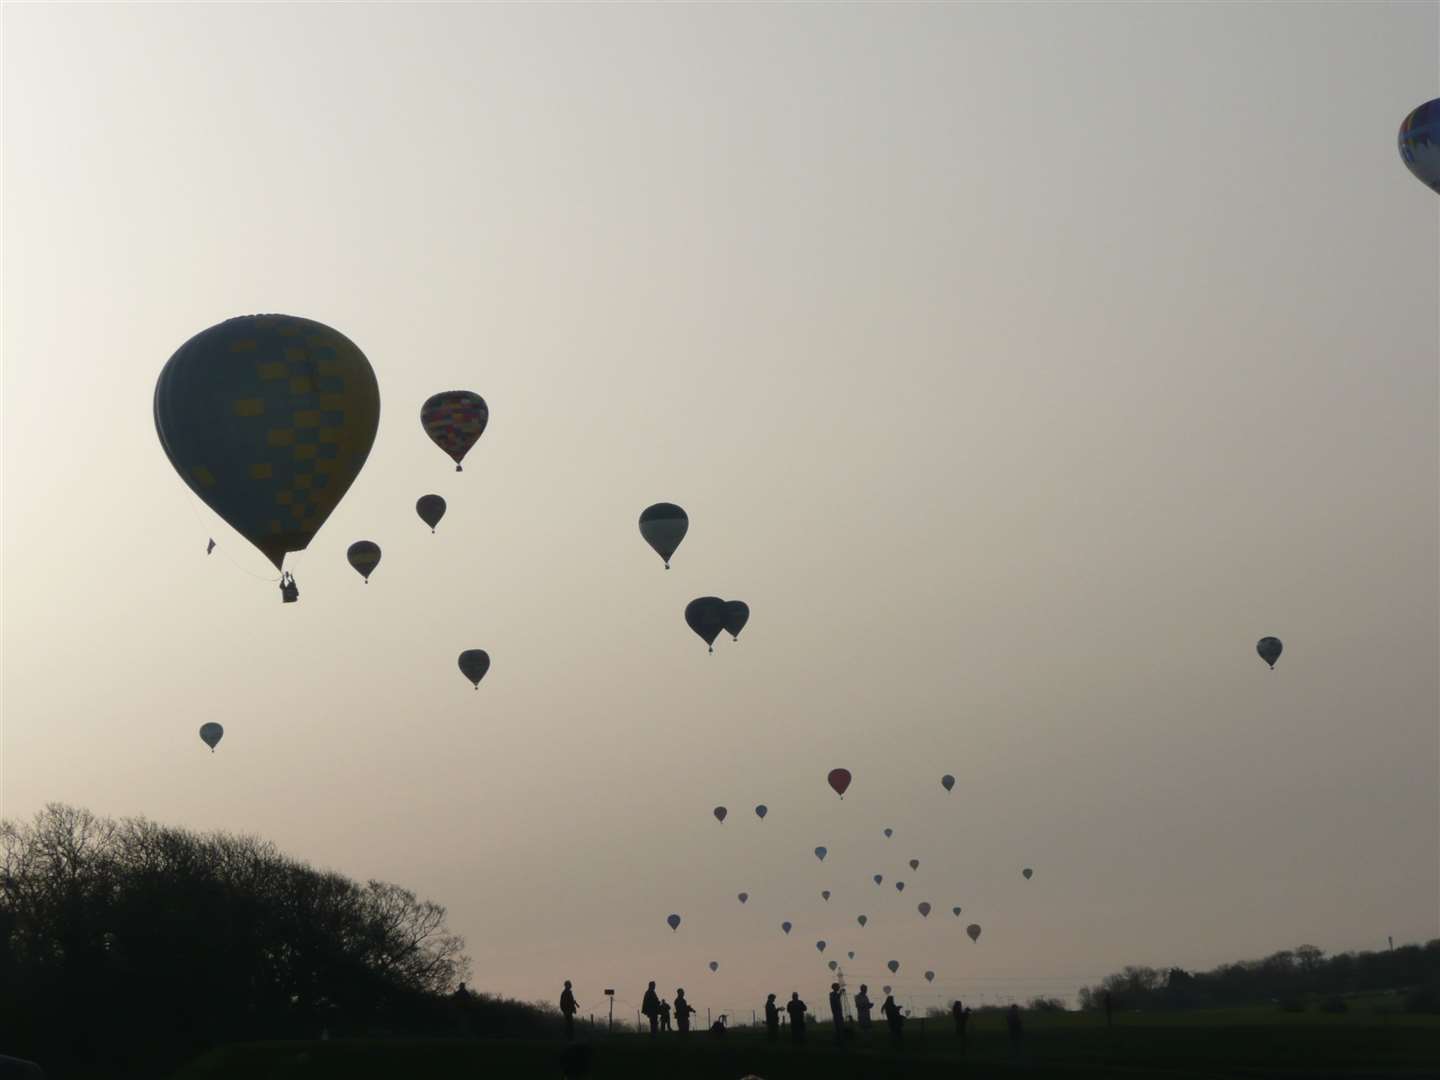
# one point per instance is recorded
(431, 509)
(1420, 144)
(269, 419)
(474, 663)
(706, 616)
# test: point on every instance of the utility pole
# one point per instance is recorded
(844, 993)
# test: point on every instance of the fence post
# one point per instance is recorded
(707, 1018)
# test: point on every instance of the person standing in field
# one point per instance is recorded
(796, 1009)
(1012, 1025)
(772, 1018)
(837, 1014)
(863, 1005)
(962, 1020)
(682, 1012)
(650, 1008)
(895, 1018)
(568, 1009)
(664, 1015)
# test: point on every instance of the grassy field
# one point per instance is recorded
(1256, 1044)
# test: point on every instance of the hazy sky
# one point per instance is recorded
(1019, 365)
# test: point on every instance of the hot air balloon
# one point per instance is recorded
(1269, 649)
(820, 945)
(899, 886)
(455, 420)
(720, 813)
(947, 781)
(862, 919)
(894, 966)
(974, 931)
(956, 910)
(211, 734)
(824, 894)
(839, 780)
(663, 526)
(851, 955)
(474, 663)
(820, 853)
(706, 616)
(761, 811)
(674, 921)
(743, 897)
(714, 966)
(924, 908)
(879, 878)
(833, 964)
(889, 833)
(268, 419)
(1028, 873)
(1420, 144)
(785, 926)
(737, 614)
(431, 509)
(364, 556)
(914, 864)
(885, 989)
(929, 976)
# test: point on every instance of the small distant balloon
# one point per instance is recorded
(720, 813)
(947, 781)
(714, 966)
(364, 556)
(899, 886)
(785, 926)
(929, 976)
(914, 864)
(211, 734)
(455, 420)
(742, 897)
(1420, 144)
(761, 811)
(833, 964)
(879, 878)
(820, 946)
(674, 921)
(474, 663)
(889, 833)
(821, 852)
(862, 919)
(1269, 649)
(824, 894)
(894, 966)
(663, 526)
(886, 989)
(431, 509)
(737, 614)
(924, 908)
(850, 955)
(974, 931)
(839, 779)
(706, 616)
(1028, 873)
(956, 910)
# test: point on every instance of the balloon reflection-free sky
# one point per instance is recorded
(1019, 366)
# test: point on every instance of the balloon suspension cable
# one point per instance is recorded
(223, 551)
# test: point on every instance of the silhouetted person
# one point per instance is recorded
(1109, 1007)
(664, 1015)
(962, 1020)
(772, 1018)
(837, 1014)
(1012, 1025)
(682, 1012)
(796, 1009)
(863, 1005)
(895, 1018)
(650, 1008)
(718, 1027)
(289, 591)
(568, 1009)
(463, 994)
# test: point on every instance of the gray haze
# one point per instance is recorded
(1020, 365)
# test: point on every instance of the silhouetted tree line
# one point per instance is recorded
(1287, 977)
(127, 946)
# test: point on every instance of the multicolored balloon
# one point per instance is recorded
(474, 663)
(268, 419)
(706, 616)
(211, 734)
(431, 509)
(1420, 144)
(364, 556)
(839, 779)
(663, 526)
(455, 420)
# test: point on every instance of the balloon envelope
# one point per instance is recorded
(743, 897)
(914, 864)
(454, 420)
(268, 419)
(834, 964)
(929, 976)
(1028, 873)
(862, 919)
(674, 921)
(211, 734)
(1269, 649)
(974, 931)
(474, 663)
(364, 556)
(824, 894)
(785, 926)
(839, 779)
(820, 945)
(879, 878)
(820, 853)
(706, 616)
(893, 965)
(737, 614)
(1420, 144)
(720, 813)
(714, 966)
(663, 526)
(899, 886)
(956, 910)
(431, 509)
(850, 955)
(924, 908)
(761, 811)
(889, 833)
(947, 781)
